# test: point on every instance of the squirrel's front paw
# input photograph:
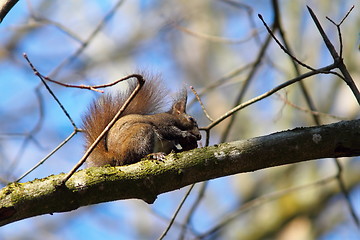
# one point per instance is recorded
(189, 142)
(160, 156)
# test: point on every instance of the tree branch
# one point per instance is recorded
(337, 59)
(5, 7)
(147, 179)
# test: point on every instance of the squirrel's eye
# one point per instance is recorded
(191, 119)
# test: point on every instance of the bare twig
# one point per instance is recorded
(195, 205)
(326, 69)
(93, 88)
(287, 102)
(49, 155)
(57, 25)
(176, 212)
(337, 59)
(215, 38)
(201, 104)
(222, 81)
(29, 136)
(345, 192)
(36, 72)
(339, 29)
(239, 5)
(282, 47)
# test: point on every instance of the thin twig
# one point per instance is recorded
(222, 81)
(215, 38)
(339, 29)
(287, 102)
(345, 192)
(239, 5)
(201, 104)
(326, 70)
(59, 26)
(195, 205)
(49, 90)
(47, 156)
(281, 46)
(93, 88)
(29, 135)
(176, 213)
(337, 59)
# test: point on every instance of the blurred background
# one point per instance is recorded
(222, 49)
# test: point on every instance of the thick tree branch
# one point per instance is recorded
(5, 7)
(146, 179)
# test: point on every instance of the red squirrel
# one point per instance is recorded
(142, 129)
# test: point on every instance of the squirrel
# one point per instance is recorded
(142, 129)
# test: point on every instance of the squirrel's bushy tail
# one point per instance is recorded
(149, 100)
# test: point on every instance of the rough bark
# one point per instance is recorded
(147, 179)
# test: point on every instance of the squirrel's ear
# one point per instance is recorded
(179, 105)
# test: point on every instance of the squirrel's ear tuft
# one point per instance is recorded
(179, 106)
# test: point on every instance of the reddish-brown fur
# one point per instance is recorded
(141, 129)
